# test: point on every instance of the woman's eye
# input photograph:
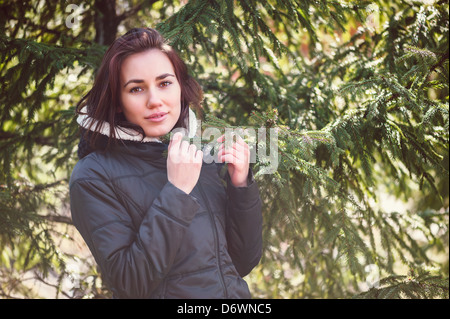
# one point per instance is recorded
(135, 90)
(165, 83)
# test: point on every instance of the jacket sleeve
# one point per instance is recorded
(133, 262)
(244, 225)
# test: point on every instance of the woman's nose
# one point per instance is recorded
(154, 99)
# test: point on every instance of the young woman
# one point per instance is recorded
(160, 222)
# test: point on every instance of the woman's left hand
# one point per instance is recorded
(237, 156)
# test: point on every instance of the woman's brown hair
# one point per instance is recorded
(103, 100)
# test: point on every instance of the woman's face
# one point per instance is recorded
(150, 92)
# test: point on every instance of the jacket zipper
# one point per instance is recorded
(216, 240)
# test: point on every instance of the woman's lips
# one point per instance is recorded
(157, 117)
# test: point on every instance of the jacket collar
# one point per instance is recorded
(122, 133)
(127, 134)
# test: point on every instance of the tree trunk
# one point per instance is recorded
(106, 21)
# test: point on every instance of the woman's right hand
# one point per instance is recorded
(184, 163)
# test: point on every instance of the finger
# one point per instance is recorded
(241, 141)
(227, 155)
(238, 150)
(230, 145)
(240, 146)
(243, 150)
(224, 150)
(229, 158)
(198, 156)
(184, 147)
(175, 140)
(192, 150)
(221, 138)
(220, 154)
(228, 138)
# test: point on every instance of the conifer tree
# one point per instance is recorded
(357, 92)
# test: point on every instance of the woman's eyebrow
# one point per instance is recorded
(133, 81)
(159, 77)
(163, 76)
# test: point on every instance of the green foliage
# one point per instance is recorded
(357, 92)
(418, 284)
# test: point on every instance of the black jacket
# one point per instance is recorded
(152, 240)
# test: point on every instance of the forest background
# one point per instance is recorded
(358, 93)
